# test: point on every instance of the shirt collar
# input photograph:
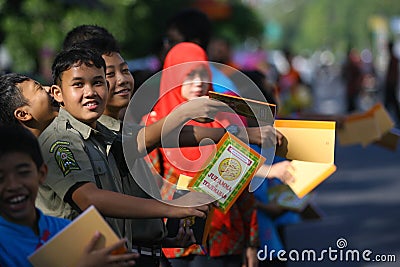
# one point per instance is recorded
(84, 129)
(41, 224)
(107, 135)
(110, 123)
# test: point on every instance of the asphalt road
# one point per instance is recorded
(360, 202)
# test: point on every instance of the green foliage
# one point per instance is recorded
(318, 24)
(30, 26)
(242, 17)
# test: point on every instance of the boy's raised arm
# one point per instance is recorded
(171, 125)
(113, 204)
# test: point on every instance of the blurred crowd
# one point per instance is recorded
(291, 81)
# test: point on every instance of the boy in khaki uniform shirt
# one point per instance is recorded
(121, 85)
(81, 154)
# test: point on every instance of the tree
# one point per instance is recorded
(34, 26)
(316, 24)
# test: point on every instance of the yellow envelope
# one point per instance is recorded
(358, 129)
(389, 140)
(311, 147)
(365, 128)
(66, 248)
(382, 118)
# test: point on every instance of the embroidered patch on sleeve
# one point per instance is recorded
(64, 157)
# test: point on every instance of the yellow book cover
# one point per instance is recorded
(66, 247)
(358, 129)
(366, 127)
(311, 147)
(309, 175)
(389, 140)
(228, 172)
(382, 118)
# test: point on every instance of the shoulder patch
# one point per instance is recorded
(64, 157)
(57, 143)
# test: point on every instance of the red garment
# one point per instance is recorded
(229, 233)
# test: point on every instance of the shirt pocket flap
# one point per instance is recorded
(99, 167)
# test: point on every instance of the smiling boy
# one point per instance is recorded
(81, 153)
(23, 227)
(24, 100)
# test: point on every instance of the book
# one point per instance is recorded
(250, 108)
(200, 226)
(67, 246)
(310, 145)
(382, 117)
(358, 129)
(389, 140)
(284, 196)
(365, 127)
(312, 212)
(227, 173)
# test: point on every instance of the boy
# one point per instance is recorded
(120, 80)
(23, 227)
(85, 158)
(25, 100)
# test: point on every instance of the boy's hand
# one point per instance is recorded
(283, 171)
(266, 135)
(104, 256)
(203, 108)
(184, 237)
(192, 199)
(190, 204)
(251, 257)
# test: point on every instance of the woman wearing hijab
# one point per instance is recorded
(186, 76)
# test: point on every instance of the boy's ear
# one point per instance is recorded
(42, 173)
(22, 114)
(55, 90)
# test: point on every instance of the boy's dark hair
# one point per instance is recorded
(16, 138)
(83, 33)
(103, 45)
(11, 97)
(192, 24)
(75, 57)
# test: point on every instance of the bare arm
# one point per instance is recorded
(167, 129)
(193, 135)
(113, 204)
(150, 136)
(281, 170)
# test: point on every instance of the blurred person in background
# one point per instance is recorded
(391, 85)
(5, 57)
(193, 25)
(294, 95)
(235, 232)
(352, 76)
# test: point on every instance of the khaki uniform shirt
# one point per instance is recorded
(139, 182)
(76, 153)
